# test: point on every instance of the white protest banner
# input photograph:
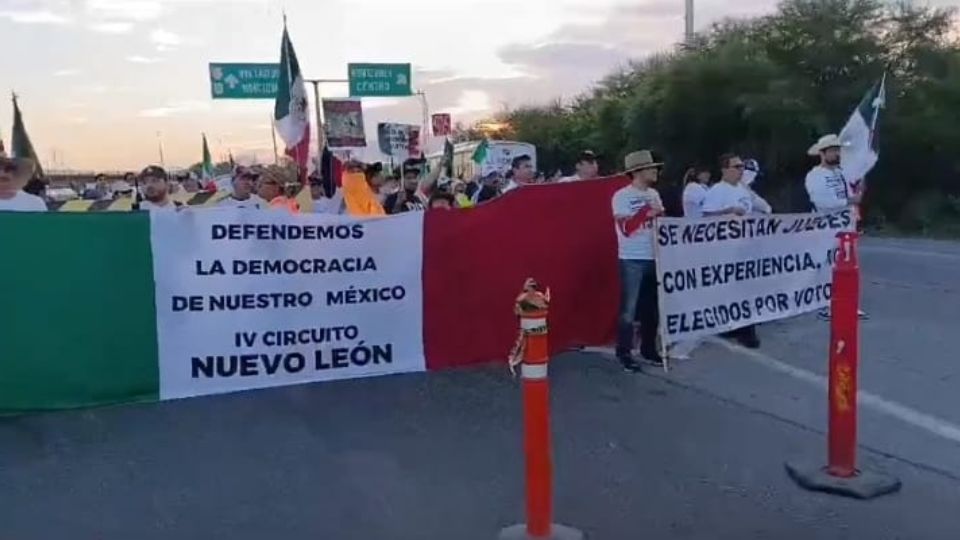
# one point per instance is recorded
(251, 299)
(719, 274)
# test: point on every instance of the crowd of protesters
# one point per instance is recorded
(366, 189)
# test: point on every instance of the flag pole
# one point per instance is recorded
(160, 148)
(273, 133)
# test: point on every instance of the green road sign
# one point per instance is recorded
(379, 80)
(244, 81)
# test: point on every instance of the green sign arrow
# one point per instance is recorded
(244, 81)
(379, 80)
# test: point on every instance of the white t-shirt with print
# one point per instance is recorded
(693, 196)
(23, 202)
(627, 202)
(329, 205)
(827, 189)
(724, 195)
(253, 201)
(149, 206)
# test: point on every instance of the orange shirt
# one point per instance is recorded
(285, 203)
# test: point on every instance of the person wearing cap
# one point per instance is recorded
(483, 189)
(156, 190)
(411, 197)
(14, 175)
(586, 167)
(828, 188)
(244, 182)
(634, 208)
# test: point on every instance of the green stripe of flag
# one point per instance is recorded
(73, 280)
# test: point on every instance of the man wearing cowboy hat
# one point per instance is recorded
(14, 175)
(634, 209)
(825, 183)
(827, 187)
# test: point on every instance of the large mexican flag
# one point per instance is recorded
(116, 307)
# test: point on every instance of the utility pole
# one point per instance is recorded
(273, 133)
(316, 98)
(688, 24)
(425, 108)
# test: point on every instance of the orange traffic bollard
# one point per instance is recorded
(841, 476)
(532, 353)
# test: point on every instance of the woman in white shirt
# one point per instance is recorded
(696, 181)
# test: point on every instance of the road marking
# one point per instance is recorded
(926, 422)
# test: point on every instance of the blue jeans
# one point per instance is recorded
(638, 301)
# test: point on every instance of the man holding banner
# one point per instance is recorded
(634, 209)
(730, 197)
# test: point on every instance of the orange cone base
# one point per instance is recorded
(557, 532)
(864, 485)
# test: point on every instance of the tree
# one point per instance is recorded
(767, 87)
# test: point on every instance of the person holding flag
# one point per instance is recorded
(858, 151)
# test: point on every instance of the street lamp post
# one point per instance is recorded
(316, 97)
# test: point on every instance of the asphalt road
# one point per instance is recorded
(696, 453)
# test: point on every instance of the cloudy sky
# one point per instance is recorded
(101, 82)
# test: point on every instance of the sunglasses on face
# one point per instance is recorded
(737, 166)
(8, 166)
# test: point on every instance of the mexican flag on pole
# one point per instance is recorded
(859, 152)
(290, 109)
(207, 167)
(480, 154)
(20, 145)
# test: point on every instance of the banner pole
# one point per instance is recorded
(662, 328)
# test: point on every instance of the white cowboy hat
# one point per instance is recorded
(825, 142)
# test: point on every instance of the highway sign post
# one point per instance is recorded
(379, 80)
(244, 81)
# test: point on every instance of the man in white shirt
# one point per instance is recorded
(14, 174)
(730, 197)
(156, 190)
(587, 168)
(634, 209)
(244, 182)
(828, 188)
